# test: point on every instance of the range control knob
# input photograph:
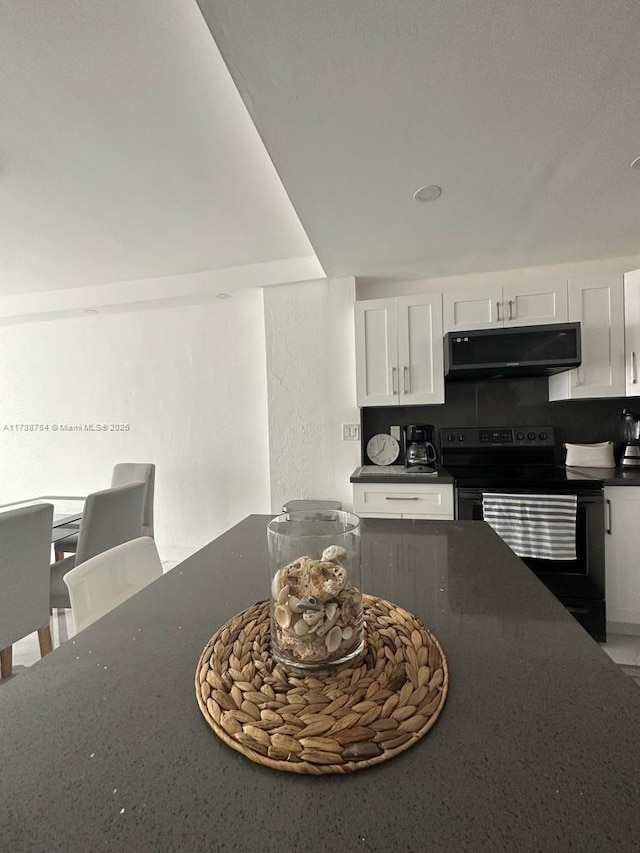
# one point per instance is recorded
(451, 437)
(460, 437)
(542, 436)
(531, 436)
(520, 436)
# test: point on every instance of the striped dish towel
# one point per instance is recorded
(541, 526)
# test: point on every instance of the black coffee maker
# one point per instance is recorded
(419, 451)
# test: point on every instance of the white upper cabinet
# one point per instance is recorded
(632, 332)
(535, 304)
(597, 304)
(376, 352)
(399, 353)
(494, 306)
(472, 309)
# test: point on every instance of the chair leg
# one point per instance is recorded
(6, 662)
(58, 553)
(44, 638)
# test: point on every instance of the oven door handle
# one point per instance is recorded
(609, 529)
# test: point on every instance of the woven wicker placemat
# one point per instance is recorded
(343, 721)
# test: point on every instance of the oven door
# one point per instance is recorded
(579, 583)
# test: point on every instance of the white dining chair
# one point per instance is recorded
(105, 581)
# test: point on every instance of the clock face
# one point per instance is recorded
(383, 449)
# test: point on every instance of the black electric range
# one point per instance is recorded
(523, 461)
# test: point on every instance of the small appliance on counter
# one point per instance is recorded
(631, 452)
(419, 451)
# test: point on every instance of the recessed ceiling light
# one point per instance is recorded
(223, 296)
(430, 193)
(635, 164)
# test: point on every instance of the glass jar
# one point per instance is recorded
(316, 602)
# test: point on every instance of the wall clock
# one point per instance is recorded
(383, 449)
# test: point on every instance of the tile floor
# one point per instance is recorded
(623, 649)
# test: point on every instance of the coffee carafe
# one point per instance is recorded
(419, 450)
(631, 452)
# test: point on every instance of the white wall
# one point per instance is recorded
(190, 382)
(379, 289)
(311, 390)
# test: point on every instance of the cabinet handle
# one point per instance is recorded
(511, 309)
(608, 503)
(634, 372)
(391, 498)
(498, 311)
(406, 380)
(394, 384)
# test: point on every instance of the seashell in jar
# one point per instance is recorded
(330, 610)
(347, 633)
(350, 610)
(310, 602)
(282, 615)
(330, 621)
(283, 595)
(336, 579)
(333, 639)
(307, 577)
(294, 604)
(276, 585)
(334, 554)
(300, 628)
(313, 617)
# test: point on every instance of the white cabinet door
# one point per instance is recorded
(399, 352)
(376, 353)
(420, 350)
(535, 304)
(518, 304)
(632, 332)
(478, 308)
(622, 555)
(597, 304)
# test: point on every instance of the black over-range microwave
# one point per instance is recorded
(513, 351)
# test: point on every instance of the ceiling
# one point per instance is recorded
(525, 112)
(129, 154)
(126, 152)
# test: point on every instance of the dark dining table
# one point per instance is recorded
(103, 746)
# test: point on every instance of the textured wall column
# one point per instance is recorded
(310, 349)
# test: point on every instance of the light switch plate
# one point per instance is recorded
(350, 432)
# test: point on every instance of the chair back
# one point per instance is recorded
(103, 582)
(138, 472)
(110, 517)
(25, 535)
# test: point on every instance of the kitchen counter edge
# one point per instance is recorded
(402, 476)
(611, 476)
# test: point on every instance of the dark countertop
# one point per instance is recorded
(103, 747)
(397, 474)
(611, 476)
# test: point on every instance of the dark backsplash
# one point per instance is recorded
(508, 402)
